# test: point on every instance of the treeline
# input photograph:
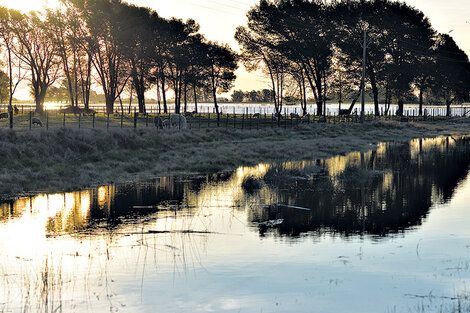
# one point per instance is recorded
(255, 96)
(316, 48)
(116, 45)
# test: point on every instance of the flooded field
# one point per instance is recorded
(380, 231)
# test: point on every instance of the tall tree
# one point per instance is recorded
(37, 51)
(223, 62)
(453, 71)
(15, 71)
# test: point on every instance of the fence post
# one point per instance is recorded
(226, 122)
(234, 120)
(63, 124)
(11, 119)
(135, 118)
(93, 119)
(30, 118)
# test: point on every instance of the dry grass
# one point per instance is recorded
(63, 159)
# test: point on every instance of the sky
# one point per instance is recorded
(219, 18)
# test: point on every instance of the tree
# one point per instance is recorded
(107, 22)
(238, 96)
(15, 72)
(4, 87)
(453, 71)
(223, 62)
(36, 50)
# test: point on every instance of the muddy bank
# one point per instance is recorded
(67, 159)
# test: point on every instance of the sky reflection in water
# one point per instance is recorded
(385, 231)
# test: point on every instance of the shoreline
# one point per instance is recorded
(66, 159)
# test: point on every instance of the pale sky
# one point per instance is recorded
(219, 18)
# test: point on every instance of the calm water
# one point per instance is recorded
(381, 231)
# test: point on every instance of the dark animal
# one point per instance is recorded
(3, 115)
(322, 119)
(277, 115)
(295, 115)
(158, 121)
(15, 109)
(36, 121)
(188, 114)
(344, 112)
(166, 123)
(256, 115)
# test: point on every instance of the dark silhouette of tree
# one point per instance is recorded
(37, 51)
(15, 71)
(453, 72)
(223, 62)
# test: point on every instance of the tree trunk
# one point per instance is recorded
(109, 104)
(375, 91)
(195, 97)
(165, 107)
(400, 108)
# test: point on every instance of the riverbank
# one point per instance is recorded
(67, 159)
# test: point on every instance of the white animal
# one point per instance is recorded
(177, 121)
(305, 118)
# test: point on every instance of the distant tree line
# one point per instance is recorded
(116, 45)
(315, 47)
(265, 95)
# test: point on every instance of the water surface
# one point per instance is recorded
(380, 231)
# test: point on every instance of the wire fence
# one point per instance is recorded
(55, 119)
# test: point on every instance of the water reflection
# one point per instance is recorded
(377, 192)
(69, 251)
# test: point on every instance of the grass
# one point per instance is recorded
(64, 159)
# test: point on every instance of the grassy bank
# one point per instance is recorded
(65, 159)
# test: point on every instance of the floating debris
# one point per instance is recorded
(271, 223)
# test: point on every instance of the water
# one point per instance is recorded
(381, 231)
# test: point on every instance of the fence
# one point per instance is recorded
(55, 119)
(253, 108)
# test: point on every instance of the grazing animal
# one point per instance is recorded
(322, 119)
(3, 115)
(295, 115)
(344, 112)
(178, 121)
(188, 114)
(166, 123)
(15, 109)
(256, 115)
(277, 115)
(36, 121)
(305, 118)
(158, 121)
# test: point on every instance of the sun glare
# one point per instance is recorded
(29, 5)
